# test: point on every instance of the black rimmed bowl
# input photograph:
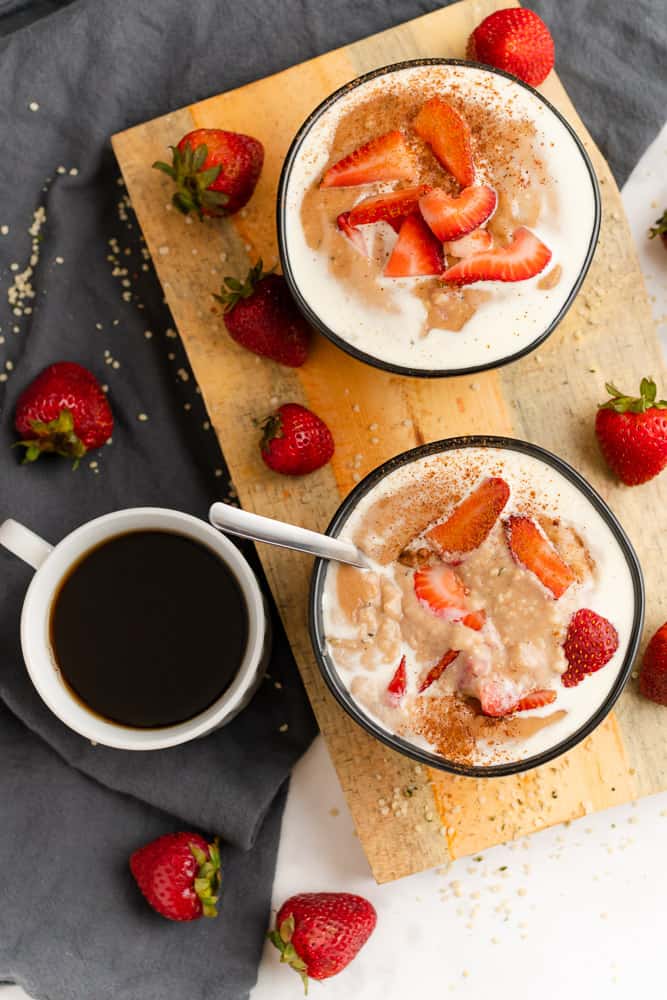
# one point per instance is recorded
(394, 344)
(333, 678)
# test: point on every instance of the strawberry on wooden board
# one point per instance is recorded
(590, 643)
(296, 441)
(261, 315)
(448, 135)
(470, 523)
(179, 874)
(451, 217)
(215, 171)
(660, 229)
(319, 933)
(476, 242)
(515, 40)
(523, 258)
(533, 550)
(416, 252)
(385, 158)
(397, 686)
(65, 411)
(438, 670)
(387, 207)
(354, 235)
(653, 676)
(632, 433)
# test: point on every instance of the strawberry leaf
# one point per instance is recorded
(233, 290)
(646, 400)
(193, 181)
(207, 881)
(660, 227)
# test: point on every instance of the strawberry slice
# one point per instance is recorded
(532, 550)
(525, 257)
(386, 158)
(470, 523)
(439, 588)
(440, 667)
(475, 620)
(476, 242)
(417, 252)
(498, 700)
(451, 217)
(354, 235)
(388, 207)
(536, 699)
(448, 135)
(397, 685)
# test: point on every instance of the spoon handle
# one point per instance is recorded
(288, 536)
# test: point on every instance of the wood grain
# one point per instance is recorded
(549, 397)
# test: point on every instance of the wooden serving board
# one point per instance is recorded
(549, 397)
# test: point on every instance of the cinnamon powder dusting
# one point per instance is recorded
(454, 727)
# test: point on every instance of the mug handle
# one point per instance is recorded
(24, 543)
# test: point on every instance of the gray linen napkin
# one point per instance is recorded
(71, 923)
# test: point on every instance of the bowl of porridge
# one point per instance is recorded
(501, 615)
(436, 217)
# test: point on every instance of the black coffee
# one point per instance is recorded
(149, 628)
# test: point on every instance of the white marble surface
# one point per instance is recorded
(573, 912)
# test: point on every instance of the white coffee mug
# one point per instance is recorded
(52, 563)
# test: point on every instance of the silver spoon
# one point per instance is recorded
(287, 536)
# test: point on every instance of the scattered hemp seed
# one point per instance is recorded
(4, 230)
(284, 728)
(142, 416)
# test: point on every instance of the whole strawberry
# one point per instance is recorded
(319, 933)
(632, 432)
(515, 40)
(63, 410)
(590, 643)
(215, 172)
(653, 676)
(261, 315)
(296, 441)
(660, 229)
(179, 874)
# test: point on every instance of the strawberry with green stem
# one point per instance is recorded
(319, 933)
(179, 875)
(215, 171)
(262, 316)
(632, 433)
(63, 411)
